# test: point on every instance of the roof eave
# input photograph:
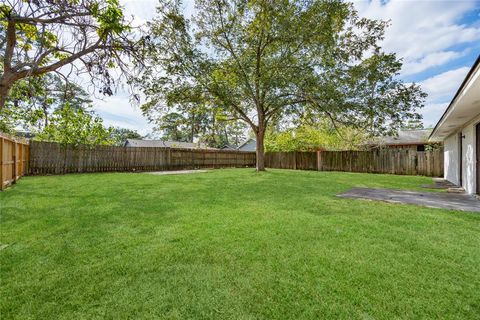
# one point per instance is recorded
(452, 103)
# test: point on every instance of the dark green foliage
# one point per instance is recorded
(316, 136)
(33, 100)
(119, 135)
(70, 126)
(413, 125)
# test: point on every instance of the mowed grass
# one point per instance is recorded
(232, 244)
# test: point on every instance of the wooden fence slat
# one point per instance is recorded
(49, 157)
(14, 159)
(392, 161)
(53, 158)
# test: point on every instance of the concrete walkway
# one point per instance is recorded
(440, 200)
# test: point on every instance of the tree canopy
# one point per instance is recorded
(42, 36)
(194, 119)
(70, 126)
(261, 60)
(312, 137)
(32, 101)
(119, 135)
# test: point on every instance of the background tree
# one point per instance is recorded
(223, 132)
(173, 127)
(366, 95)
(319, 136)
(413, 125)
(259, 59)
(43, 36)
(120, 135)
(32, 101)
(207, 127)
(187, 114)
(76, 126)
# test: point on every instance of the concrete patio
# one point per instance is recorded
(441, 200)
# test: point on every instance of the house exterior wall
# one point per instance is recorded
(469, 157)
(451, 159)
(469, 168)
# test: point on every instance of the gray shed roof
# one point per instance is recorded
(229, 147)
(406, 137)
(164, 144)
(249, 145)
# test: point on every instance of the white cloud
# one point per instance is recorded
(431, 60)
(141, 10)
(117, 111)
(444, 85)
(441, 89)
(423, 32)
(432, 113)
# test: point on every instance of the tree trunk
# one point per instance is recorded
(260, 149)
(4, 90)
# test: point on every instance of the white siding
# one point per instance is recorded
(451, 158)
(469, 169)
(469, 176)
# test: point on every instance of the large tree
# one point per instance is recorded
(259, 59)
(42, 36)
(186, 113)
(76, 126)
(32, 101)
(120, 135)
(321, 135)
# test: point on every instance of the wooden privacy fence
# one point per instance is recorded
(54, 158)
(14, 154)
(393, 161)
(292, 160)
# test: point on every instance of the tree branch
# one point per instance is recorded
(9, 48)
(34, 20)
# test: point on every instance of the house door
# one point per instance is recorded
(477, 152)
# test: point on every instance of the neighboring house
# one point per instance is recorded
(459, 130)
(164, 144)
(249, 145)
(229, 147)
(405, 139)
(25, 134)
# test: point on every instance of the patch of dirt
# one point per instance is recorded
(176, 172)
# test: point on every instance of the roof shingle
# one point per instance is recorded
(406, 137)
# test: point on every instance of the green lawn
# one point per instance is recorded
(232, 244)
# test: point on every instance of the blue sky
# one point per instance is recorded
(437, 40)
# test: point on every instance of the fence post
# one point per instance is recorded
(294, 160)
(319, 160)
(14, 173)
(169, 158)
